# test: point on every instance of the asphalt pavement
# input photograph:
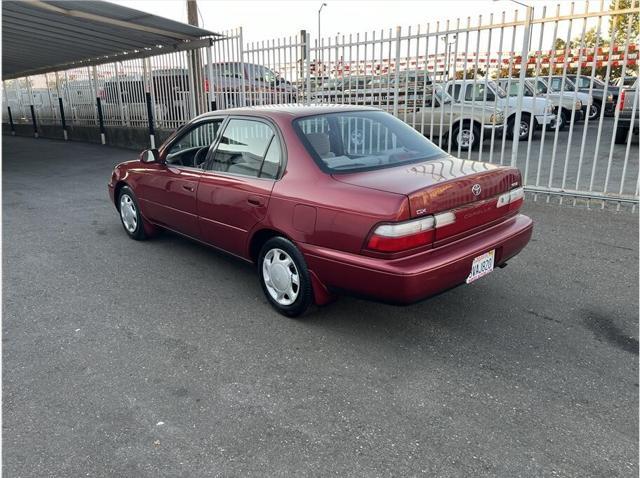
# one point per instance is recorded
(163, 358)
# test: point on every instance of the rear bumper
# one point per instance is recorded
(410, 279)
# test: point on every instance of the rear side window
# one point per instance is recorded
(362, 140)
(247, 148)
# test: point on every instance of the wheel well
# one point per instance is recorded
(116, 193)
(258, 240)
(466, 122)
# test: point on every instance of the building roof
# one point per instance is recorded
(47, 35)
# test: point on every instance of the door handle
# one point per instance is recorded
(188, 188)
(255, 201)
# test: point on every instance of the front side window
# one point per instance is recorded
(478, 91)
(243, 148)
(191, 149)
(362, 140)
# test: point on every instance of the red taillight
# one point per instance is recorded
(402, 236)
(513, 199)
(621, 101)
(206, 86)
(396, 244)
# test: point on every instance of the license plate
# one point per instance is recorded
(481, 266)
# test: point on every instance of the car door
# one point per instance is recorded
(168, 189)
(234, 190)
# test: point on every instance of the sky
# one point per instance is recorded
(269, 19)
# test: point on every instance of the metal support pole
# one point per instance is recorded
(13, 127)
(33, 120)
(61, 105)
(101, 120)
(396, 79)
(63, 120)
(210, 85)
(524, 59)
(152, 131)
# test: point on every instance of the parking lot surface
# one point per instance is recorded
(163, 358)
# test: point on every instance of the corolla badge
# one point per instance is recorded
(476, 189)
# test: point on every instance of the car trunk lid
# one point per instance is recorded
(468, 189)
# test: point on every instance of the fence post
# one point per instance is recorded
(123, 119)
(13, 128)
(524, 61)
(243, 94)
(33, 120)
(307, 64)
(396, 82)
(94, 87)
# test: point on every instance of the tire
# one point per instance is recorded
(564, 118)
(622, 133)
(130, 216)
(594, 110)
(465, 137)
(526, 124)
(280, 265)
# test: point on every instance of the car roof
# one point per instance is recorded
(290, 110)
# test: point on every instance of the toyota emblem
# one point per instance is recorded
(476, 189)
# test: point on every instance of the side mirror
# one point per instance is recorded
(150, 156)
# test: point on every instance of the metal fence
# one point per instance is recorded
(534, 91)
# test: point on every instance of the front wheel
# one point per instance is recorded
(130, 216)
(284, 277)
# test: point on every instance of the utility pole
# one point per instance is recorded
(195, 63)
(192, 13)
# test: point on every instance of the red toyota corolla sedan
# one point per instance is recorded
(327, 199)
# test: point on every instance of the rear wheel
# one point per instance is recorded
(594, 110)
(525, 127)
(284, 277)
(465, 137)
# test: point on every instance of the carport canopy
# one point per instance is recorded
(41, 36)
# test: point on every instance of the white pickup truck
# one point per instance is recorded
(489, 92)
(563, 104)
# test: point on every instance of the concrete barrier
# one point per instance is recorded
(123, 137)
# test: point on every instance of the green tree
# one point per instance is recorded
(623, 22)
(559, 44)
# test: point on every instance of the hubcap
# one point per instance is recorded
(524, 129)
(465, 138)
(281, 277)
(593, 111)
(128, 213)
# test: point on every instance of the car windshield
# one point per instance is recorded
(362, 140)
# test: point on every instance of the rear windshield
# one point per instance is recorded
(362, 140)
